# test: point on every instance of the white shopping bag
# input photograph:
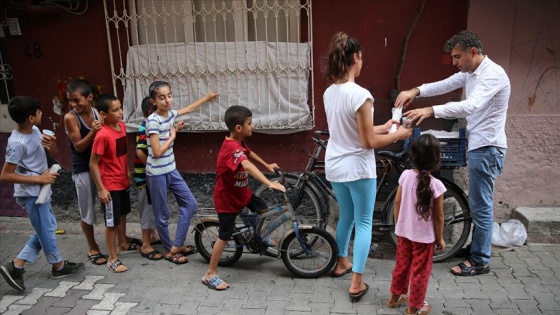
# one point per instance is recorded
(508, 234)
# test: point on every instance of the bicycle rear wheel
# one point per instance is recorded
(457, 221)
(310, 256)
(206, 236)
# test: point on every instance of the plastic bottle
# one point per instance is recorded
(46, 189)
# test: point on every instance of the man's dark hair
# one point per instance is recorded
(104, 101)
(236, 115)
(81, 86)
(464, 40)
(21, 107)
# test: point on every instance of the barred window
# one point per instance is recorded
(255, 53)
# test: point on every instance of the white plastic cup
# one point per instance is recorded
(48, 132)
(407, 122)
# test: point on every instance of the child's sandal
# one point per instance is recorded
(115, 266)
(424, 310)
(401, 300)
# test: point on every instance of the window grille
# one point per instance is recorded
(6, 91)
(255, 53)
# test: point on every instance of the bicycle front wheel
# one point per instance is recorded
(311, 255)
(206, 236)
(457, 221)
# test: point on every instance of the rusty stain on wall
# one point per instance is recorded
(532, 98)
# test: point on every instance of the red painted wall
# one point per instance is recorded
(76, 46)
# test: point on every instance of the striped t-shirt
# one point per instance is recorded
(139, 167)
(160, 125)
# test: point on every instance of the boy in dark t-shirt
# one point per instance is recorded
(231, 193)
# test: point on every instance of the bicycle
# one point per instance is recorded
(306, 251)
(308, 193)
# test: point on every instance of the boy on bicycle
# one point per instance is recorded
(231, 193)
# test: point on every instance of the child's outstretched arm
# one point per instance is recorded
(256, 173)
(103, 194)
(270, 167)
(210, 96)
(438, 222)
(9, 175)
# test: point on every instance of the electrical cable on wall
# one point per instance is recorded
(415, 19)
(71, 9)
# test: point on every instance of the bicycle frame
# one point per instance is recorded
(256, 223)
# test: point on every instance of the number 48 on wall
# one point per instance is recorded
(33, 50)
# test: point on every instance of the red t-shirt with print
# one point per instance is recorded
(231, 193)
(113, 165)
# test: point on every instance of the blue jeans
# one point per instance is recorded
(44, 223)
(158, 186)
(485, 165)
(356, 201)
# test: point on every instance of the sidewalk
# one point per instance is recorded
(521, 281)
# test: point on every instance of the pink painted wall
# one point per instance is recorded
(523, 37)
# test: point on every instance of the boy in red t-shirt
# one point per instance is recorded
(109, 169)
(231, 193)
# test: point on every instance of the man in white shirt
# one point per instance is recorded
(487, 90)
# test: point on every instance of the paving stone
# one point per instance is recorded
(55, 310)
(82, 307)
(527, 307)
(41, 306)
(88, 283)
(8, 300)
(63, 287)
(525, 280)
(70, 299)
(98, 291)
(17, 309)
(34, 296)
(479, 306)
(108, 301)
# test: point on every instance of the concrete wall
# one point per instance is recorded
(524, 37)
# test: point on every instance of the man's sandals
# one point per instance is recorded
(472, 270)
(178, 258)
(153, 255)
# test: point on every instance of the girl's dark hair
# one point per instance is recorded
(341, 55)
(424, 155)
(156, 85)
